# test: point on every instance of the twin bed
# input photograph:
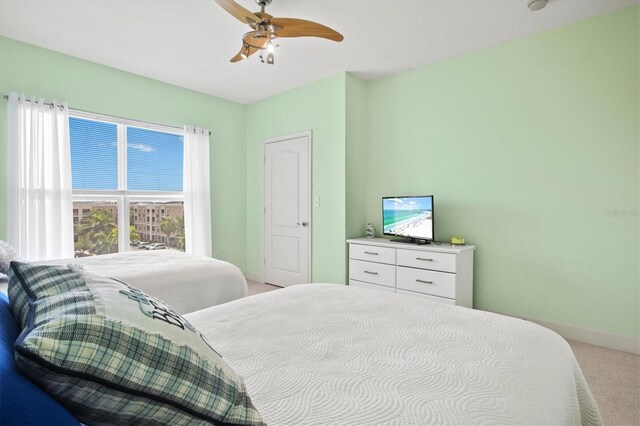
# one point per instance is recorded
(184, 281)
(320, 354)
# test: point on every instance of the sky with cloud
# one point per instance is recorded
(408, 203)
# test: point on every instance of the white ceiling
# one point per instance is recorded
(189, 43)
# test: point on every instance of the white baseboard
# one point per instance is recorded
(254, 277)
(592, 337)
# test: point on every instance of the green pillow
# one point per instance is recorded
(112, 354)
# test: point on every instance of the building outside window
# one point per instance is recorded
(119, 169)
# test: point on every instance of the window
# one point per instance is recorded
(120, 170)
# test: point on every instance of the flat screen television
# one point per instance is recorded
(410, 218)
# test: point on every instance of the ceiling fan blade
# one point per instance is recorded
(291, 27)
(248, 52)
(242, 14)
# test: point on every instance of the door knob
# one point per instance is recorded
(303, 223)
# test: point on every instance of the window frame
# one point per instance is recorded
(122, 196)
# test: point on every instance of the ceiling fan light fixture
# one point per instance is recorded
(535, 5)
(266, 30)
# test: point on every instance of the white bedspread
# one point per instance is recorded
(323, 354)
(186, 282)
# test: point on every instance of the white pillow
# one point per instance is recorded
(7, 254)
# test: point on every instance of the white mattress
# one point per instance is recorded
(186, 282)
(322, 354)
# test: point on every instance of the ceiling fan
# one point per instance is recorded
(266, 30)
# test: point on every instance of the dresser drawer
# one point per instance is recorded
(370, 272)
(360, 284)
(373, 254)
(427, 260)
(428, 297)
(441, 284)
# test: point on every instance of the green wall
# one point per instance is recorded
(319, 107)
(531, 149)
(528, 147)
(92, 87)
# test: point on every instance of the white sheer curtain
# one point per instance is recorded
(197, 199)
(40, 224)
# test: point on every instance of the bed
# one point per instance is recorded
(322, 354)
(186, 282)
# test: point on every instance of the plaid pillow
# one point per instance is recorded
(35, 282)
(112, 354)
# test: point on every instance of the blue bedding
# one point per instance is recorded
(21, 401)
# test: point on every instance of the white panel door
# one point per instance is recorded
(287, 213)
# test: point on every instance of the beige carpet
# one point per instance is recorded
(257, 288)
(613, 376)
(614, 379)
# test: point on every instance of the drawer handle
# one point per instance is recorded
(369, 272)
(425, 282)
(424, 258)
(371, 252)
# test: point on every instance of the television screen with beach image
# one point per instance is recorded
(410, 217)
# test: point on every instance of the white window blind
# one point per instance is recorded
(154, 160)
(94, 154)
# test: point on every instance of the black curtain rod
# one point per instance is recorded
(50, 104)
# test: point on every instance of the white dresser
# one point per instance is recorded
(442, 273)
